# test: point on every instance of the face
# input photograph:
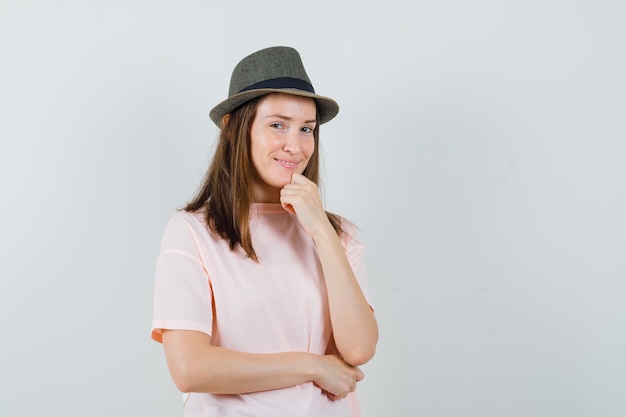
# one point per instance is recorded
(282, 142)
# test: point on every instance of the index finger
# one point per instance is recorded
(299, 179)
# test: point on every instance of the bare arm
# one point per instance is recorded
(352, 319)
(198, 366)
(353, 322)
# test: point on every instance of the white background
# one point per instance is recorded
(481, 147)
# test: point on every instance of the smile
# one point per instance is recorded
(287, 164)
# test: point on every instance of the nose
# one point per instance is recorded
(292, 144)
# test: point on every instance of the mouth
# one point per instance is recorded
(287, 164)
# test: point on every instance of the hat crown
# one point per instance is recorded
(277, 69)
(267, 64)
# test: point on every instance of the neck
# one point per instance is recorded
(266, 194)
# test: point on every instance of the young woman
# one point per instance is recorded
(259, 294)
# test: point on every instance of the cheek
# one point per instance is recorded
(256, 159)
(258, 150)
(308, 147)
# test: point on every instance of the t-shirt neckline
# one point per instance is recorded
(268, 208)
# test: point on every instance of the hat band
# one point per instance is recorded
(281, 83)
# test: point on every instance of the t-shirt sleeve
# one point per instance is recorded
(182, 293)
(355, 251)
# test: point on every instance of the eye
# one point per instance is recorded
(277, 125)
(307, 129)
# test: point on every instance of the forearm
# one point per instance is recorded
(352, 319)
(196, 366)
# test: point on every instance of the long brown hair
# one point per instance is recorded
(226, 192)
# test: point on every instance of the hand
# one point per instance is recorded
(337, 378)
(302, 198)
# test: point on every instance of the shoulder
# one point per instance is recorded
(184, 226)
(186, 218)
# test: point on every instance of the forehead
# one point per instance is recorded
(287, 105)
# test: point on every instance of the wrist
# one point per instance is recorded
(323, 232)
(311, 366)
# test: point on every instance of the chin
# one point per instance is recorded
(281, 184)
(281, 181)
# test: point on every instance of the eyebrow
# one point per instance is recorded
(280, 116)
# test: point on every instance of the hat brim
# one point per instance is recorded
(327, 107)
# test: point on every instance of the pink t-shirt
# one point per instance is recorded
(276, 305)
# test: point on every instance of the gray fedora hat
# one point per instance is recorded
(278, 69)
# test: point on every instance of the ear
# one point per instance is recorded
(225, 119)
